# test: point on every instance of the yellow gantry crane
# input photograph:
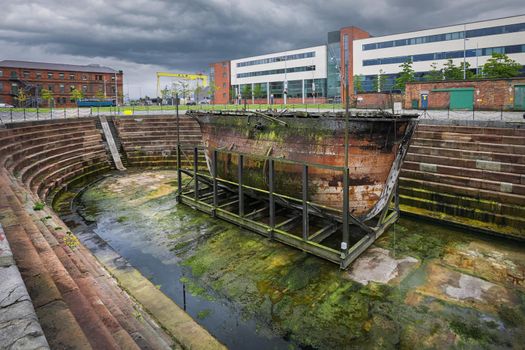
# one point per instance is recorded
(183, 76)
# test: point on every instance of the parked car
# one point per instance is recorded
(204, 102)
(191, 103)
(6, 105)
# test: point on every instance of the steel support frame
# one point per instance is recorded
(310, 243)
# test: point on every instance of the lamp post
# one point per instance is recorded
(464, 52)
(285, 84)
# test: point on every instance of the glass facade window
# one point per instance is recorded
(276, 89)
(445, 55)
(296, 56)
(509, 28)
(318, 91)
(333, 65)
(276, 71)
(295, 88)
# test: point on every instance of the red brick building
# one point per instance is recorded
(352, 33)
(61, 79)
(480, 94)
(220, 79)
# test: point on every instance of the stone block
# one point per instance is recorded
(6, 256)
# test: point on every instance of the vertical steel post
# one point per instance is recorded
(195, 171)
(346, 205)
(240, 166)
(214, 174)
(179, 172)
(271, 174)
(306, 222)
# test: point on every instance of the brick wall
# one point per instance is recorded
(353, 33)
(93, 81)
(376, 100)
(489, 94)
(222, 82)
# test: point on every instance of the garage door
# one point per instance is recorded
(461, 99)
(519, 97)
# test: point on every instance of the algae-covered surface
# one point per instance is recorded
(420, 286)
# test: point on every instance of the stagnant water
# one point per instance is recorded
(421, 285)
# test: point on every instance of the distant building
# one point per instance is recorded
(220, 82)
(60, 79)
(317, 73)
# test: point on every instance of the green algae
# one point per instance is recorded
(304, 298)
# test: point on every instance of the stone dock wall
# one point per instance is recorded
(468, 173)
(78, 304)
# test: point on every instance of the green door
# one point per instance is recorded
(461, 99)
(519, 97)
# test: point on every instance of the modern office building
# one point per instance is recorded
(60, 79)
(318, 72)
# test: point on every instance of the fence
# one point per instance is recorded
(11, 115)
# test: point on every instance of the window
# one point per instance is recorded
(14, 74)
(224, 75)
(14, 88)
(277, 59)
(224, 94)
(84, 88)
(1, 86)
(51, 87)
(25, 74)
(61, 75)
(71, 76)
(1, 73)
(84, 77)
(39, 75)
(62, 88)
(276, 71)
(223, 85)
(71, 88)
(224, 64)
(49, 75)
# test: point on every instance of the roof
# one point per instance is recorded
(93, 68)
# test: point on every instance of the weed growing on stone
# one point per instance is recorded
(70, 240)
(39, 206)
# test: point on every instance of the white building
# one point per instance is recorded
(475, 41)
(295, 71)
(314, 73)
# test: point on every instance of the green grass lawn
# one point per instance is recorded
(132, 109)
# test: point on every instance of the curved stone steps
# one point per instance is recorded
(470, 146)
(467, 137)
(16, 160)
(41, 173)
(472, 129)
(44, 158)
(61, 176)
(28, 127)
(57, 320)
(45, 133)
(467, 163)
(468, 154)
(458, 190)
(481, 174)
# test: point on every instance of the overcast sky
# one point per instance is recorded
(144, 36)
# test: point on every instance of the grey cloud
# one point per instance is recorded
(187, 35)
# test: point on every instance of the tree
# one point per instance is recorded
(358, 83)
(21, 97)
(380, 81)
(77, 95)
(257, 91)
(247, 91)
(453, 72)
(233, 96)
(501, 66)
(48, 96)
(434, 74)
(165, 93)
(406, 75)
(100, 95)
(211, 90)
(198, 92)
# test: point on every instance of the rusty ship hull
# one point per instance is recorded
(374, 156)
